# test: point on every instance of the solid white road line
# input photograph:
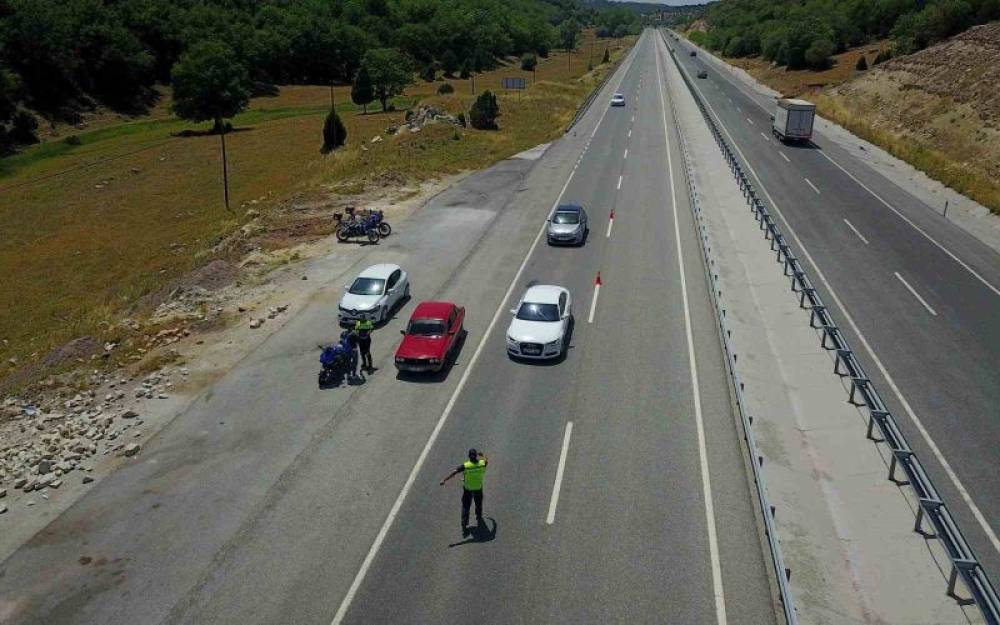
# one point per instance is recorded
(959, 486)
(915, 294)
(713, 543)
(550, 519)
(783, 156)
(593, 301)
(620, 182)
(811, 185)
(915, 227)
(851, 226)
(345, 603)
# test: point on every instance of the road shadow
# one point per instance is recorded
(479, 534)
(799, 145)
(440, 376)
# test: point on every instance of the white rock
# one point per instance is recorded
(132, 449)
(256, 323)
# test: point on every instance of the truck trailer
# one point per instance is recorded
(793, 120)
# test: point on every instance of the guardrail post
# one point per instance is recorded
(817, 311)
(927, 506)
(964, 565)
(858, 383)
(898, 455)
(876, 416)
(828, 329)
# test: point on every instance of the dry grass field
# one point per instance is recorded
(90, 228)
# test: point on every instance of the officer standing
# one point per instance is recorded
(473, 471)
(363, 328)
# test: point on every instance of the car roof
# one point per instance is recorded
(381, 271)
(432, 310)
(569, 208)
(543, 294)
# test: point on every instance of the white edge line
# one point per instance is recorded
(783, 156)
(557, 485)
(809, 182)
(915, 227)
(915, 294)
(345, 603)
(593, 301)
(976, 512)
(713, 543)
(851, 226)
(620, 181)
(611, 222)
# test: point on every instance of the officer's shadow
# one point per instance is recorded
(480, 534)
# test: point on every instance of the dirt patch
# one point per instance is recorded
(211, 277)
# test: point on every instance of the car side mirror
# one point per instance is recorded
(513, 311)
(403, 332)
(772, 118)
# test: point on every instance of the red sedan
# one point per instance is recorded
(430, 337)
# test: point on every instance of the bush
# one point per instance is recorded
(862, 64)
(528, 62)
(461, 120)
(466, 70)
(607, 56)
(882, 56)
(334, 133)
(446, 88)
(429, 73)
(23, 128)
(818, 54)
(485, 111)
(543, 50)
(72, 140)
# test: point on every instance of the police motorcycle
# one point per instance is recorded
(336, 361)
(378, 218)
(357, 227)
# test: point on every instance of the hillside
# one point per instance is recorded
(936, 108)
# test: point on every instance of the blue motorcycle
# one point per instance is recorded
(336, 361)
(353, 228)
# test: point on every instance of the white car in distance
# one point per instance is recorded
(618, 99)
(541, 323)
(374, 294)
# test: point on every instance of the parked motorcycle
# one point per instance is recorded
(378, 218)
(336, 362)
(357, 228)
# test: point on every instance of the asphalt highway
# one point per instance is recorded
(918, 296)
(269, 500)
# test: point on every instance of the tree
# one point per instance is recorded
(607, 56)
(209, 84)
(528, 62)
(449, 63)
(362, 91)
(484, 112)
(334, 132)
(818, 53)
(466, 70)
(862, 64)
(569, 33)
(390, 73)
(429, 72)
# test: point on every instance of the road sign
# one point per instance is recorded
(513, 83)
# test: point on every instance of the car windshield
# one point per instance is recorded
(619, 96)
(566, 218)
(367, 286)
(538, 312)
(426, 327)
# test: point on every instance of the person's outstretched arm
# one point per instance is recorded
(451, 475)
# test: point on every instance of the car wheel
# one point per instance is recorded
(406, 293)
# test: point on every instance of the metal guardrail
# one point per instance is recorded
(781, 573)
(964, 563)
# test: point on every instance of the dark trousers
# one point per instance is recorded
(468, 496)
(365, 346)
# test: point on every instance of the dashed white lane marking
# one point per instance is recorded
(593, 303)
(630, 133)
(611, 222)
(620, 182)
(750, 121)
(855, 230)
(926, 236)
(359, 578)
(765, 136)
(783, 156)
(811, 185)
(626, 153)
(706, 484)
(956, 482)
(738, 108)
(915, 294)
(557, 486)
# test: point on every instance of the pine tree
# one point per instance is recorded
(362, 91)
(334, 133)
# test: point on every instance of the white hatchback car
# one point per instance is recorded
(618, 99)
(541, 324)
(374, 294)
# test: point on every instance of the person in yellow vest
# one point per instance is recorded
(473, 471)
(363, 327)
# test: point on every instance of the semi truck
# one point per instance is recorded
(793, 120)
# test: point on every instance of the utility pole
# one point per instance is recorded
(225, 168)
(333, 103)
(472, 75)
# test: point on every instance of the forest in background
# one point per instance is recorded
(61, 57)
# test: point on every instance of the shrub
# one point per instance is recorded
(485, 111)
(461, 120)
(818, 53)
(466, 70)
(528, 62)
(23, 128)
(429, 73)
(446, 88)
(882, 56)
(72, 140)
(862, 64)
(334, 133)
(607, 56)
